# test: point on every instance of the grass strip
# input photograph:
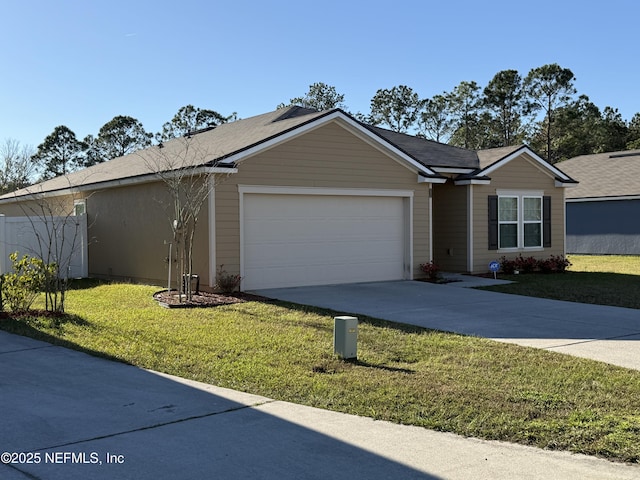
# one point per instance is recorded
(601, 280)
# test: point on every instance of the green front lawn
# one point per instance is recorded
(470, 386)
(598, 279)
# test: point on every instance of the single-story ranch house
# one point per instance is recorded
(603, 212)
(302, 197)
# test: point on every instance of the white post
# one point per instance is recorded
(169, 277)
(3, 243)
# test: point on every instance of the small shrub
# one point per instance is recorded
(21, 286)
(226, 282)
(507, 266)
(527, 265)
(553, 264)
(431, 269)
(556, 264)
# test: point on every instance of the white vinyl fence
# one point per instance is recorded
(56, 239)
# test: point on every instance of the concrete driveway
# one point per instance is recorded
(68, 415)
(608, 334)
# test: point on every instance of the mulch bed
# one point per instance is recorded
(4, 315)
(439, 281)
(205, 299)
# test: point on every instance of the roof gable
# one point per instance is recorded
(347, 122)
(493, 159)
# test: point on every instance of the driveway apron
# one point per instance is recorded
(608, 334)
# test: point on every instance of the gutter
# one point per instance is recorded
(123, 182)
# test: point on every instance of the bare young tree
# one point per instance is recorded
(58, 229)
(182, 165)
(17, 168)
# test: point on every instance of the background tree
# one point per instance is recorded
(577, 130)
(465, 105)
(17, 167)
(120, 136)
(504, 98)
(60, 153)
(189, 119)
(92, 151)
(633, 140)
(480, 132)
(397, 108)
(613, 130)
(319, 97)
(548, 88)
(434, 121)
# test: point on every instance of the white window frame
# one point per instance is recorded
(525, 222)
(520, 221)
(79, 207)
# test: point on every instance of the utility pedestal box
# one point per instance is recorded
(345, 337)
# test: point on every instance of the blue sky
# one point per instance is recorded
(79, 63)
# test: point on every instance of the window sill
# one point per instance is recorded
(521, 250)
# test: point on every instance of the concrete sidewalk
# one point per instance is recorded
(608, 334)
(68, 415)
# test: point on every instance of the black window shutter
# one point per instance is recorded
(546, 222)
(493, 222)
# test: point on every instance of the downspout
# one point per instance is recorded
(431, 222)
(212, 233)
(470, 229)
(564, 224)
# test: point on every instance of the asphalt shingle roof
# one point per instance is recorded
(612, 174)
(211, 146)
(428, 152)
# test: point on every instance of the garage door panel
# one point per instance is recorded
(322, 230)
(346, 235)
(322, 227)
(293, 240)
(313, 253)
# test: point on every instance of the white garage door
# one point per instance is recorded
(295, 240)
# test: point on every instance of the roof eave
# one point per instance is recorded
(122, 182)
(458, 170)
(566, 184)
(611, 198)
(431, 179)
(473, 181)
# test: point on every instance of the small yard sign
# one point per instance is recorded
(494, 267)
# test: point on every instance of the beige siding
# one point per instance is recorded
(127, 230)
(518, 174)
(450, 225)
(55, 206)
(328, 157)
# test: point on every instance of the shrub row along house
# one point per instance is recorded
(300, 197)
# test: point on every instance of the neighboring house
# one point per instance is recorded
(603, 212)
(310, 198)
